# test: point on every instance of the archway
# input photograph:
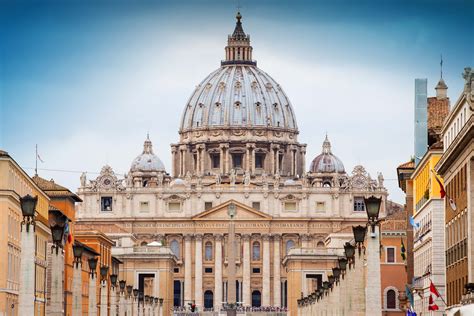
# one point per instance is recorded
(208, 299)
(256, 299)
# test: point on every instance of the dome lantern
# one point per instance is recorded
(238, 49)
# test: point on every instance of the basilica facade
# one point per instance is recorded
(238, 147)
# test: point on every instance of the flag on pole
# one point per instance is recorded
(442, 192)
(39, 158)
(403, 250)
(413, 224)
(409, 295)
(434, 294)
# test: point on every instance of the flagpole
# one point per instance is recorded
(441, 297)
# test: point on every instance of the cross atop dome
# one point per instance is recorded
(238, 49)
(147, 145)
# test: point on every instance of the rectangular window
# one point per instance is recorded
(256, 206)
(320, 207)
(259, 159)
(144, 206)
(207, 205)
(237, 160)
(207, 270)
(174, 206)
(215, 160)
(359, 205)
(290, 206)
(255, 270)
(106, 203)
(390, 255)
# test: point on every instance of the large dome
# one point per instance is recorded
(326, 162)
(238, 96)
(147, 161)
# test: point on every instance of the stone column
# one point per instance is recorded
(253, 159)
(247, 158)
(198, 271)
(56, 307)
(373, 292)
(26, 300)
(266, 271)
(113, 301)
(221, 159)
(227, 168)
(161, 310)
(77, 290)
(303, 159)
(173, 161)
(218, 272)
(122, 302)
(130, 307)
(103, 298)
(188, 292)
(272, 155)
(246, 271)
(276, 271)
(92, 296)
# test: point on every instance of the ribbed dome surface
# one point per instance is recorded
(238, 96)
(147, 161)
(326, 162)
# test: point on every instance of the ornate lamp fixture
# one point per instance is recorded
(326, 287)
(77, 250)
(359, 235)
(140, 296)
(336, 271)
(161, 301)
(93, 266)
(147, 299)
(122, 285)
(135, 293)
(342, 265)
(129, 290)
(155, 299)
(113, 280)
(349, 251)
(313, 296)
(28, 209)
(372, 206)
(104, 270)
(57, 233)
(331, 280)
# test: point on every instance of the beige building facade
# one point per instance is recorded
(237, 146)
(14, 184)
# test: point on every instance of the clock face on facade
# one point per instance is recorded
(359, 182)
(107, 182)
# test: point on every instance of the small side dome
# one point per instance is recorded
(177, 183)
(326, 162)
(290, 182)
(147, 161)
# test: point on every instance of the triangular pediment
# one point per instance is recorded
(243, 212)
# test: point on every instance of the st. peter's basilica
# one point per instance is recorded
(238, 149)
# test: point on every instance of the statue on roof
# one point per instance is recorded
(83, 179)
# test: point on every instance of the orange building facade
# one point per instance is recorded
(392, 264)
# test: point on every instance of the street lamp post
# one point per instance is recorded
(77, 250)
(27, 260)
(122, 284)
(129, 299)
(161, 307)
(56, 306)
(135, 302)
(104, 271)
(92, 286)
(113, 294)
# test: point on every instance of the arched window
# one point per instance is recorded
(208, 299)
(391, 298)
(320, 244)
(208, 251)
(175, 248)
(256, 251)
(256, 299)
(143, 244)
(289, 244)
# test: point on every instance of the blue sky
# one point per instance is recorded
(86, 80)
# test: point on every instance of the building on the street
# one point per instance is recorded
(61, 200)
(456, 166)
(393, 269)
(238, 148)
(428, 208)
(14, 184)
